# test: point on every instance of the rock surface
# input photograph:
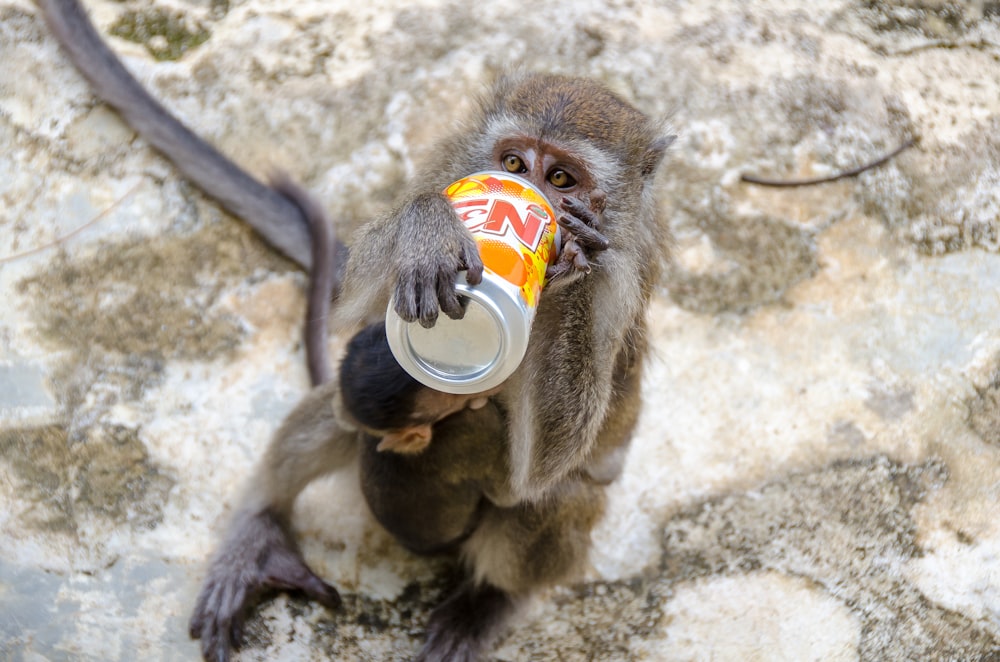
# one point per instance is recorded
(817, 471)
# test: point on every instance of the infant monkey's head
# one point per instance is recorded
(389, 403)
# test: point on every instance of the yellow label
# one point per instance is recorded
(514, 225)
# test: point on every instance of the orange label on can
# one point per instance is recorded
(514, 225)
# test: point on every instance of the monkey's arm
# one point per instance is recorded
(414, 254)
(580, 367)
(274, 217)
(258, 552)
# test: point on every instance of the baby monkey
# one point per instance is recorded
(381, 398)
(385, 401)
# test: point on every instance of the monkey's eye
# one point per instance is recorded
(513, 163)
(561, 179)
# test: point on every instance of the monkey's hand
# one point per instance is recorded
(258, 556)
(433, 247)
(581, 226)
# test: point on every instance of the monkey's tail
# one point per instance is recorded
(328, 255)
(271, 214)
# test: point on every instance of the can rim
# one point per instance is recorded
(478, 381)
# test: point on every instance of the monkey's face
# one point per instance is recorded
(555, 170)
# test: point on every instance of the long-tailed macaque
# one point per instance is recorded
(561, 423)
(571, 406)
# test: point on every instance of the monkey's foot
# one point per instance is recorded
(257, 558)
(465, 624)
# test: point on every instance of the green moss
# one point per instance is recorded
(107, 474)
(151, 298)
(165, 34)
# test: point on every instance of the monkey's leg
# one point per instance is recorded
(258, 553)
(512, 553)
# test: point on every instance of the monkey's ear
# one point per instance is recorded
(651, 159)
(407, 441)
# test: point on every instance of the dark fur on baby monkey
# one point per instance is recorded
(517, 485)
(386, 401)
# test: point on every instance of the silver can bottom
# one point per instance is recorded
(470, 355)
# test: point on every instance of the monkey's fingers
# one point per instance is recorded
(580, 262)
(590, 215)
(214, 648)
(405, 296)
(448, 299)
(197, 623)
(205, 623)
(464, 624)
(586, 236)
(416, 298)
(215, 636)
(229, 621)
(557, 270)
(572, 259)
(472, 262)
(573, 255)
(427, 302)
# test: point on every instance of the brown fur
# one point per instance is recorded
(572, 404)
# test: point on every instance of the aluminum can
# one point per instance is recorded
(517, 234)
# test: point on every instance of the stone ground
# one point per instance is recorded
(817, 470)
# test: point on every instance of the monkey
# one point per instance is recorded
(386, 401)
(563, 420)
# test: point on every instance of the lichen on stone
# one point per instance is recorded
(167, 35)
(156, 298)
(107, 474)
(984, 411)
